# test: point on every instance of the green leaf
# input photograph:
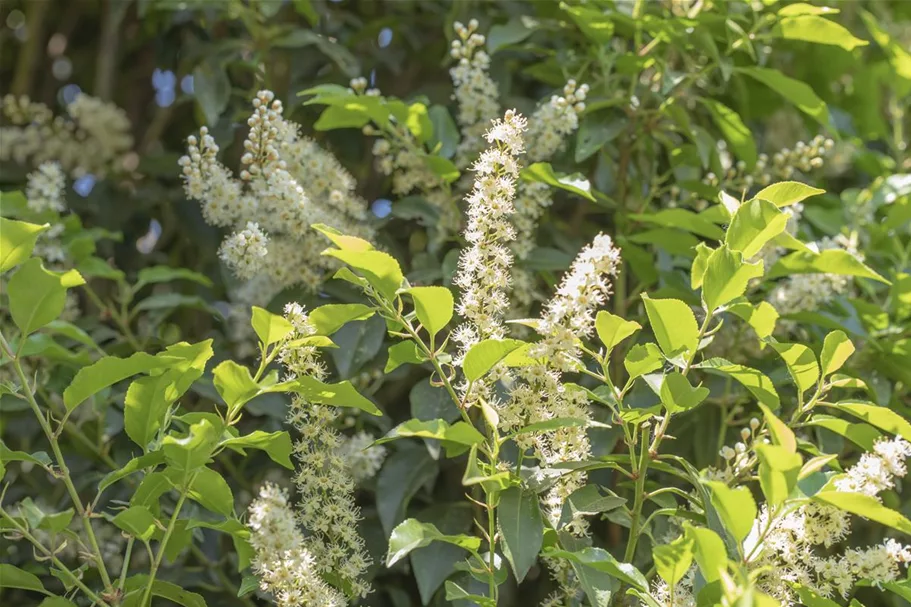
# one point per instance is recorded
(710, 552)
(542, 172)
(866, 506)
(758, 384)
(596, 25)
(673, 323)
(13, 577)
(762, 317)
(211, 491)
(801, 363)
(56, 601)
(795, 91)
(673, 560)
(697, 271)
(899, 57)
(277, 445)
(862, 435)
(433, 306)
(211, 88)
(881, 417)
(612, 329)
(677, 394)
(588, 501)
(136, 586)
(158, 274)
(829, 261)
(643, 359)
(682, 219)
(269, 327)
(754, 224)
(330, 318)
(521, 527)
(134, 465)
(778, 471)
(836, 349)
(443, 168)
(17, 240)
(781, 433)
(484, 355)
(108, 371)
(341, 394)
(412, 534)
(380, 269)
(418, 122)
(727, 275)
(234, 384)
(602, 560)
(786, 193)
(37, 296)
(144, 406)
(137, 521)
(810, 598)
(403, 353)
(734, 130)
(193, 450)
(403, 474)
(455, 438)
(812, 28)
(735, 507)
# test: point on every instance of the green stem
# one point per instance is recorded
(61, 462)
(492, 556)
(57, 563)
(126, 563)
(146, 597)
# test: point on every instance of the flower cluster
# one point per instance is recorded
(739, 459)
(324, 479)
(483, 275)
(784, 544)
(45, 187)
(554, 121)
(269, 195)
(362, 460)
(286, 567)
(475, 91)
(94, 138)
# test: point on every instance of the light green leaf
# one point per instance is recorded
(108, 371)
(234, 384)
(762, 317)
(521, 527)
(341, 394)
(612, 329)
(380, 269)
(735, 507)
(158, 274)
(144, 406)
(211, 491)
(682, 219)
(277, 445)
(443, 168)
(542, 172)
(343, 241)
(456, 438)
(778, 471)
(733, 130)
(13, 577)
(697, 271)
(801, 363)
(862, 435)
(602, 560)
(881, 417)
(677, 394)
(134, 465)
(786, 193)
(37, 296)
(899, 57)
(412, 534)
(270, 328)
(673, 560)
(781, 433)
(726, 277)
(433, 306)
(482, 356)
(596, 25)
(810, 598)
(403, 353)
(17, 240)
(137, 521)
(802, 8)
(330, 318)
(829, 261)
(758, 384)
(798, 93)
(710, 552)
(835, 351)
(812, 28)
(192, 451)
(754, 224)
(418, 122)
(673, 323)
(643, 359)
(865, 506)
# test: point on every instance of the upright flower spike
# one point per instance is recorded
(475, 92)
(282, 559)
(324, 480)
(483, 275)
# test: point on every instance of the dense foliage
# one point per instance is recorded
(325, 303)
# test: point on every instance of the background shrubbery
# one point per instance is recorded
(652, 122)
